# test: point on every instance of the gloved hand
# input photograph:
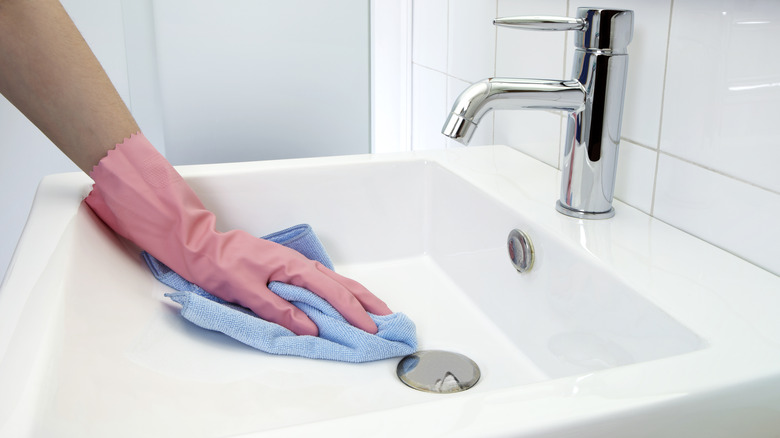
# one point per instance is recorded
(141, 196)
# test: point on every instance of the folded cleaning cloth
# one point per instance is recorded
(338, 340)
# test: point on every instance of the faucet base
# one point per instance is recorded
(584, 214)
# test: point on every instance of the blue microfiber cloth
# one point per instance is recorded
(338, 340)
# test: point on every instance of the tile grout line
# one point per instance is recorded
(661, 116)
(659, 152)
(718, 172)
(638, 143)
(430, 68)
(495, 70)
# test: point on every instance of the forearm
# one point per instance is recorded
(49, 73)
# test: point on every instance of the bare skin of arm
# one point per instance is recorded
(50, 74)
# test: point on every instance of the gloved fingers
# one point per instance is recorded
(320, 282)
(273, 308)
(369, 301)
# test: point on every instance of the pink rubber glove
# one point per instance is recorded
(141, 196)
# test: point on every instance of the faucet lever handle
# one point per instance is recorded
(542, 23)
(607, 30)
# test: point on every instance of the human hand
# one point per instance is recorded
(141, 196)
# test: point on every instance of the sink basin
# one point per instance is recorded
(623, 327)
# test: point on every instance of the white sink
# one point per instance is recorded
(624, 327)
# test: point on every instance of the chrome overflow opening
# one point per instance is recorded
(521, 250)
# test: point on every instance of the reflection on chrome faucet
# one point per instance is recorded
(593, 98)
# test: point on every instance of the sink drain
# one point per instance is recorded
(438, 371)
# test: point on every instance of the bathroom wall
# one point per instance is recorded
(202, 76)
(244, 80)
(703, 97)
(26, 155)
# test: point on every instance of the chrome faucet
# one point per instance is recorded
(593, 98)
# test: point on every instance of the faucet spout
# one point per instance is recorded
(593, 98)
(509, 93)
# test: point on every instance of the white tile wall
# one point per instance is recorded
(530, 55)
(720, 61)
(429, 98)
(536, 133)
(429, 34)
(636, 175)
(471, 39)
(720, 209)
(702, 99)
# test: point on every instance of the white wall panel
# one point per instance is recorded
(722, 99)
(249, 80)
(26, 155)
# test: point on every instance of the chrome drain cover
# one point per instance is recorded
(438, 371)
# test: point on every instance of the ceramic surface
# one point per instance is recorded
(624, 326)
